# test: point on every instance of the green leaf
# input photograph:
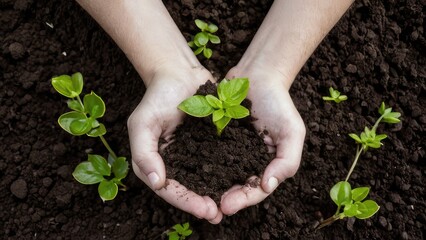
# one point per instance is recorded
(233, 91)
(96, 132)
(214, 39)
(198, 51)
(351, 210)
(327, 98)
(67, 120)
(341, 98)
(214, 101)
(111, 159)
(120, 168)
(212, 28)
(68, 86)
(382, 108)
(94, 105)
(173, 236)
(196, 106)
(374, 144)
(187, 233)
(380, 137)
(237, 112)
(218, 114)
(75, 105)
(179, 228)
(186, 226)
(202, 38)
(221, 124)
(191, 44)
(333, 93)
(355, 137)
(100, 164)
(201, 24)
(107, 190)
(85, 173)
(340, 193)
(392, 117)
(367, 208)
(359, 194)
(207, 52)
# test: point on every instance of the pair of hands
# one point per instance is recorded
(157, 116)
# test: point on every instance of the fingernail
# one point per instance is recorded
(153, 179)
(272, 183)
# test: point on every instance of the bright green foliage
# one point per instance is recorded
(201, 39)
(352, 199)
(368, 138)
(231, 93)
(334, 96)
(179, 232)
(84, 120)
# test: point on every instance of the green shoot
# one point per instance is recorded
(201, 39)
(334, 96)
(179, 232)
(230, 92)
(352, 199)
(83, 119)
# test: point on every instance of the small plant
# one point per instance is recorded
(201, 39)
(334, 96)
(84, 120)
(179, 232)
(230, 92)
(352, 199)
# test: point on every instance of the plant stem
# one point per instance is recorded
(376, 124)
(358, 153)
(328, 221)
(108, 147)
(79, 101)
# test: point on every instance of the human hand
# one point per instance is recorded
(156, 117)
(275, 112)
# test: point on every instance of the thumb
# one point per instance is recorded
(144, 146)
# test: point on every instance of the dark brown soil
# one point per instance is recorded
(209, 164)
(374, 54)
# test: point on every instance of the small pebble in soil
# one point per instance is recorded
(383, 222)
(47, 181)
(64, 172)
(16, 50)
(19, 188)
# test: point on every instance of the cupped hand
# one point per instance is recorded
(277, 116)
(156, 117)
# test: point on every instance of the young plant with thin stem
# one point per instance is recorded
(84, 120)
(201, 39)
(335, 96)
(353, 200)
(179, 232)
(230, 92)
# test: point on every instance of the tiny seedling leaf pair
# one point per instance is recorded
(230, 92)
(83, 119)
(334, 96)
(179, 232)
(201, 39)
(352, 199)
(97, 170)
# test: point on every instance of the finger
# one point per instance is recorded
(240, 197)
(144, 148)
(288, 155)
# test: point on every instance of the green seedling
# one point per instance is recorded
(179, 232)
(84, 120)
(334, 96)
(352, 200)
(201, 39)
(230, 92)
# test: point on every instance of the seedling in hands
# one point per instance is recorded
(352, 200)
(84, 120)
(201, 39)
(179, 232)
(231, 93)
(334, 96)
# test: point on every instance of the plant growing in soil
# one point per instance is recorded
(201, 39)
(230, 92)
(84, 120)
(334, 96)
(179, 232)
(352, 200)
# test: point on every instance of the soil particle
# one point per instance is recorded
(17, 51)
(19, 188)
(65, 172)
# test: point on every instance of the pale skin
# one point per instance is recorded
(151, 40)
